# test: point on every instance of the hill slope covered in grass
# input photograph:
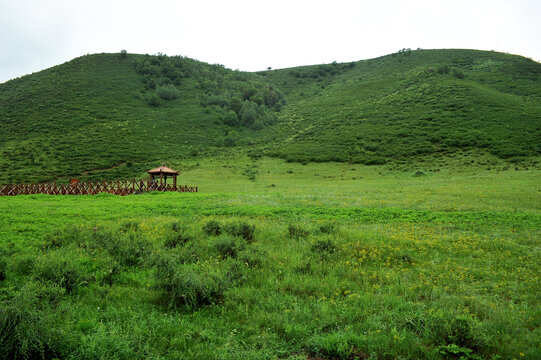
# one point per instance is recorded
(98, 112)
(418, 103)
(114, 115)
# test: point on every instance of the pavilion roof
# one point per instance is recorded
(163, 170)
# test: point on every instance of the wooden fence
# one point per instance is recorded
(119, 187)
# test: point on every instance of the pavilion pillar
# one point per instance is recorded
(175, 182)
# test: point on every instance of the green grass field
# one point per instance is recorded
(277, 260)
(382, 209)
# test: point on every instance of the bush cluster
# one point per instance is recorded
(128, 249)
(297, 231)
(153, 100)
(254, 108)
(184, 285)
(239, 99)
(60, 270)
(163, 70)
(234, 228)
(167, 92)
(212, 227)
(187, 275)
(241, 229)
(176, 239)
(323, 246)
(321, 71)
(25, 329)
(327, 227)
(229, 247)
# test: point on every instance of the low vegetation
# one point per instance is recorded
(441, 266)
(380, 209)
(434, 103)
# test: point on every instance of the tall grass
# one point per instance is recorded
(323, 281)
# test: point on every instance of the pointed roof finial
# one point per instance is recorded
(162, 169)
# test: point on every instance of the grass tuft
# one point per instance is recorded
(212, 228)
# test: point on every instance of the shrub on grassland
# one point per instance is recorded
(458, 74)
(167, 92)
(229, 247)
(327, 227)
(24, 265)
(175, 239)
(240, 228)
(297, 231)
(444, 69)
(153, 100)
(128, 249)
(177, 226)
(252, 257)
(25, 329)
(212, 227)
(183, 285)
(60, 270)
(323, 246)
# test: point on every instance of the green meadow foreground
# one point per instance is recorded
(273, 260)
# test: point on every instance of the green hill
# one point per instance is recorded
(418, 103)
(114, 115)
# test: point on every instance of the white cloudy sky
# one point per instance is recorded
(252, 35)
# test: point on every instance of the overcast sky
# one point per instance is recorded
(253, 35)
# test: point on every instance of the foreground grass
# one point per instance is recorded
(381, 266)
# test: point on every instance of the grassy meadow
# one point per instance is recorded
(278, 260)
(388, 208)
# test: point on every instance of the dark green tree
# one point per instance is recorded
(235, 104)
(248, 113)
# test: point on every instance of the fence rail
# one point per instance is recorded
(119, 187)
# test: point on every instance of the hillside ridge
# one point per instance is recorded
(100, 110)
